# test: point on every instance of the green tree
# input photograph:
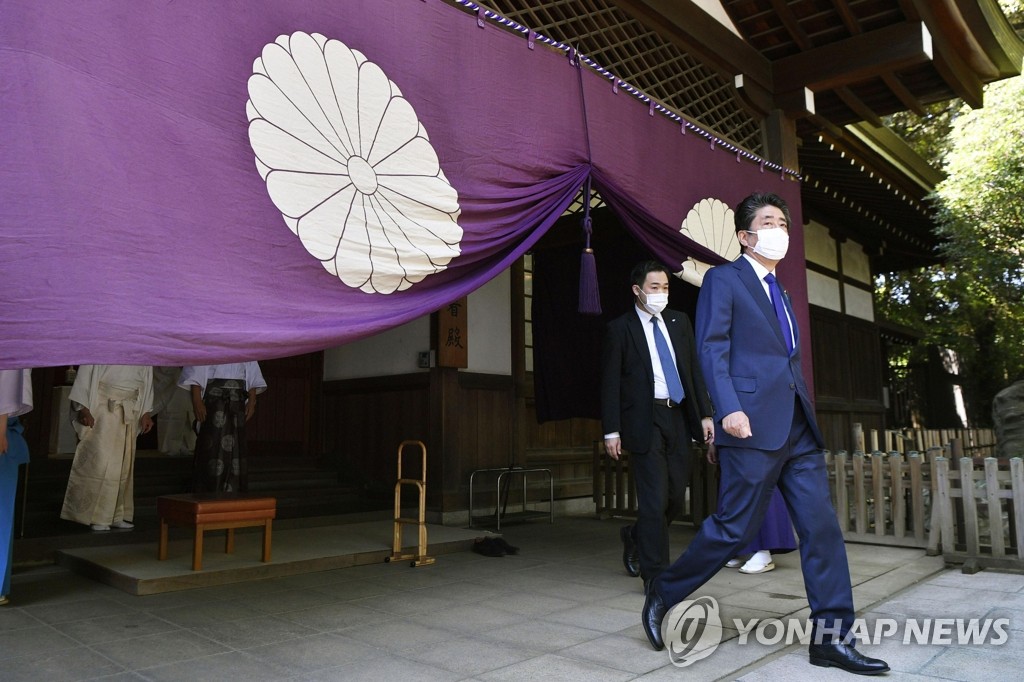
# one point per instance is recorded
(973, 303)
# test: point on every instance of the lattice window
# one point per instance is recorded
(641, 57)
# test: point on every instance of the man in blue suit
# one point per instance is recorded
(749, 348)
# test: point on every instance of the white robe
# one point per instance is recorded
(200, 375)
(100, 489)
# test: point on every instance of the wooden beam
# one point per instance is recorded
(909, 101)
(960, 77)
(859, 57)
(858, 107)
(796, 104)
(842, 8)
(754, 97)
(780, 142)
(690, 28)
(789, 20)
(826, 126)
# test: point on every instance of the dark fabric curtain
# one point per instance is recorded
(566, 344)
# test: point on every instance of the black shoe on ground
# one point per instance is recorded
(509, 549)
(630, 555)
(845, 657)
(651, 617)
(488, 547)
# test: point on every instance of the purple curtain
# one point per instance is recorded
(195, 182)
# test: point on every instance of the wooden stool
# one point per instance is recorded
(214, 513)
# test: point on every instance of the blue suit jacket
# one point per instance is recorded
(744, 358)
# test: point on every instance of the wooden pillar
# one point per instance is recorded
(780, 140)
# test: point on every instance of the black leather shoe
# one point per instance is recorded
(630, 555)
(844, 656)
(503, 543)
(651, 617)
(488, 547)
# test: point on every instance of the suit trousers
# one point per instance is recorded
(661, 475)
(748, 477)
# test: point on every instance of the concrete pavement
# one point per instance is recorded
(562, 609)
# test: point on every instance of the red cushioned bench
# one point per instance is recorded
(205, 513)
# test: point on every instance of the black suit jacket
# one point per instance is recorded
(627, 379)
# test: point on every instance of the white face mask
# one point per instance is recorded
(655, 302)
(772, 243)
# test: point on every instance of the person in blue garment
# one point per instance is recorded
(748, 341)
(15, 400)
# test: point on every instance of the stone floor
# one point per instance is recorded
(562, 609)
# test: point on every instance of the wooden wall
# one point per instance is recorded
(465, 420)
(564, 446)
(848, 376)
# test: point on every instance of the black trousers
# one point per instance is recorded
(661, 475)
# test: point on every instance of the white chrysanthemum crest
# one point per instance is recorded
(709, 223)
(349, 165)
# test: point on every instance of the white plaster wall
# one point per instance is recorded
(819, 247)
(490, 327)
(823, 291)
(859, 303)
(386, 354)
(395, 350)
(856, 265)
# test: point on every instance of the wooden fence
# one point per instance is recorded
(981, 512)
(615, 492)
(884, 498)
(974, 442)
(910, 496)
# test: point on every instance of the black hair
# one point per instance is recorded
(746, 209)
(640, 271)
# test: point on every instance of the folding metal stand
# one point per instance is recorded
(420, 558)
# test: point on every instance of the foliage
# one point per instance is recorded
(928, 135)
(973, 303)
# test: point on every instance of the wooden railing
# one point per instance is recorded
(885, 498)
(981, 512)
(615, 492)
(975, 442)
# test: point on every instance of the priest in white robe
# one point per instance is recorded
(110, 406)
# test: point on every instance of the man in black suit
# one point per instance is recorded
(653, 400)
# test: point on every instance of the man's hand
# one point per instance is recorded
(737, 425)
(85, 417)
(146, 423)
(613, 446)
(707, 425)
(250, 408)
(3, 434)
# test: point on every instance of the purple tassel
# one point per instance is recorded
(590, 293)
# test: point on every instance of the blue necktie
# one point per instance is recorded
(780, 310)
(668, 367)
